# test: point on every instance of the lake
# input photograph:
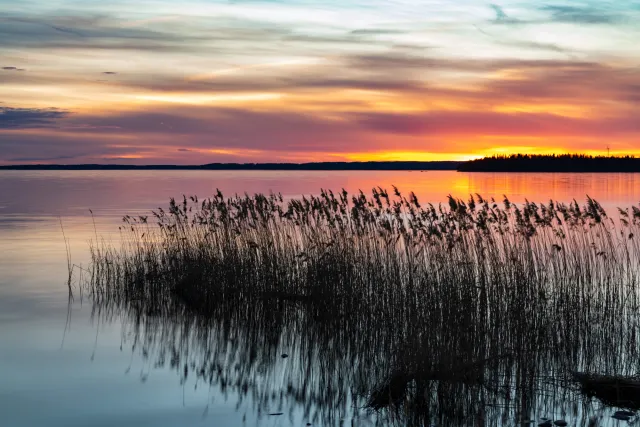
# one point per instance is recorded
(61, 366)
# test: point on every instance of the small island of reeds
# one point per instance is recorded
(475, 312)
(552, 163)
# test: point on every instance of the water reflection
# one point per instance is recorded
(495, 316)
(67, 193)
(68, 389)
(335, 370)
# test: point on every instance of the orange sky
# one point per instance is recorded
(287, 81)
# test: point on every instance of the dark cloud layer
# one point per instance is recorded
(16, 146)
(21, 118)
(85, 32)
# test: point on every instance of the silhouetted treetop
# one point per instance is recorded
(552, 163)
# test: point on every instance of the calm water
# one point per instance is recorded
(60, 368)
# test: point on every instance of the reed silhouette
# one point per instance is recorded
(472, 313)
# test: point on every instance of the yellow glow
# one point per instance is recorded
(575, 111)
(417, 156)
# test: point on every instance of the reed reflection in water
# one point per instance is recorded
(475, 313)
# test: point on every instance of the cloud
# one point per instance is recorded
(532, 86)
(308, 79)
(411, 75)
(375, 32)
(86, 32)
(215, 132)
(580, 15)
(19, 145)
(224, 35)
(501, 15)
(560, 14)
(495, 123)
(401, 62)
(334, 76)
(20, 118)
(572, 83)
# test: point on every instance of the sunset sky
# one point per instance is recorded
(195, 81)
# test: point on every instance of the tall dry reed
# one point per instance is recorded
(428, 313)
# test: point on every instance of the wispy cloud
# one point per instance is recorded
(581, 15)
(85, 32)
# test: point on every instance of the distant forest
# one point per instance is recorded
(552, 163)
(319, 166)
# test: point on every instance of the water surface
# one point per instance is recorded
(61, 368)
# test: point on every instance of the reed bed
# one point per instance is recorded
(470, 313)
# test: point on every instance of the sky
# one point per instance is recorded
(195, 81)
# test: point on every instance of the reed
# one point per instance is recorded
(467, 313)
